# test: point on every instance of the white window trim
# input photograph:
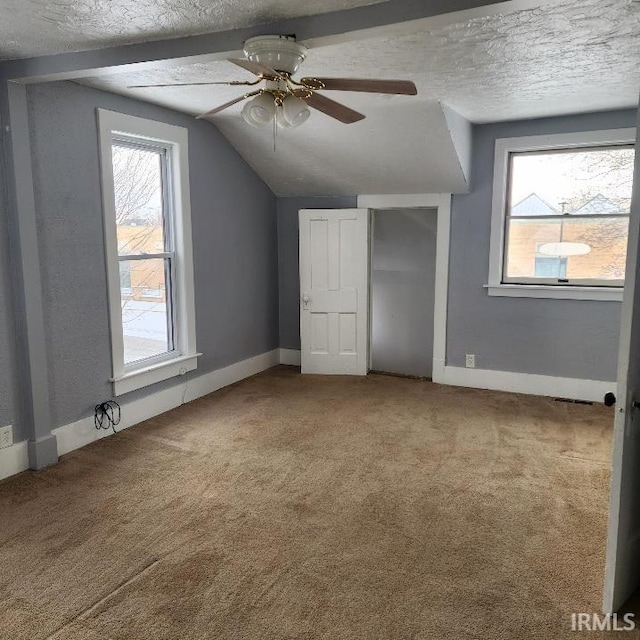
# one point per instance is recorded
(506, 146)
(126, 379)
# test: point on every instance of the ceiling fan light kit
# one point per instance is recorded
(289, 113)
(276, 101)
(285, 101)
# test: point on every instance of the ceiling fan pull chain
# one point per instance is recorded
(275, 133)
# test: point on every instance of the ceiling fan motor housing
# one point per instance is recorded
(281, 53)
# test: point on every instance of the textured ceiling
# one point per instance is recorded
(569, 57)
(565, 57)
(561, 58)
(36, 27)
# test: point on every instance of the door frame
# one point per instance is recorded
(621, 548)
(441, 202)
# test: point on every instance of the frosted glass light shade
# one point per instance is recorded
(260, 111)
(280, 119)
(294, 111)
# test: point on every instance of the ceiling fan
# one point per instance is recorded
(283, 100)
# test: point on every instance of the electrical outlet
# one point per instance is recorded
(470, 361)
(6, 436)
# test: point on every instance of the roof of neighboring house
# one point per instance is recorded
(596, 206)
(533, 205)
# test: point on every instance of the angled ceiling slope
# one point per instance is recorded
(401, 147)
(406, 144)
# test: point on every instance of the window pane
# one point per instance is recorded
(534, 248)
(145, 311)
(125, 278)
(137, 177)
(583, 182)
(555, 267)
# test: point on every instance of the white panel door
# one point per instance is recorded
(334, 290)
(622, 575)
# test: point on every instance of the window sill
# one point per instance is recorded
(555, 292)
(154, 373)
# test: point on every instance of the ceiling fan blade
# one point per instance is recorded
(189, 84)
(398, 87)
(227, 104)
(330, 107)
(255, 67)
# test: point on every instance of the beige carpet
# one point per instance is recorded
(290, 507)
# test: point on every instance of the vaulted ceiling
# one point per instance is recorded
(551, 58)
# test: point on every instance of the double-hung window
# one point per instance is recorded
(561, 215)
(148, 249)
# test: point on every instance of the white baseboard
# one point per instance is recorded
(210, 382)
(78, 434)
(529, 383)
(14, 459)
(83, 432)
(290, 357)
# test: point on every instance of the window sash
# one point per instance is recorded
(566, 282)
(166, 183)
(171, 312)
(146, 256)
(584, 148)
(559, 282)
(168, 255)
(570, 216)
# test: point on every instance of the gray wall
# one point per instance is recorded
(566, 338)
(403, 281)
(8, 369)
(234, 242)
(288, 267)
(237, 275)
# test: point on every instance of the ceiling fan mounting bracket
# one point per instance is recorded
(281, 53)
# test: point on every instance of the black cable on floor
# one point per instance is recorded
(107, 415)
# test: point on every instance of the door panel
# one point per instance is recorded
(348, 267)
(348, 333)
(622, 575)
(334, 286)
(319, 231)
(320, 333)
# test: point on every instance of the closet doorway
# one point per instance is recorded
(403, 279)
